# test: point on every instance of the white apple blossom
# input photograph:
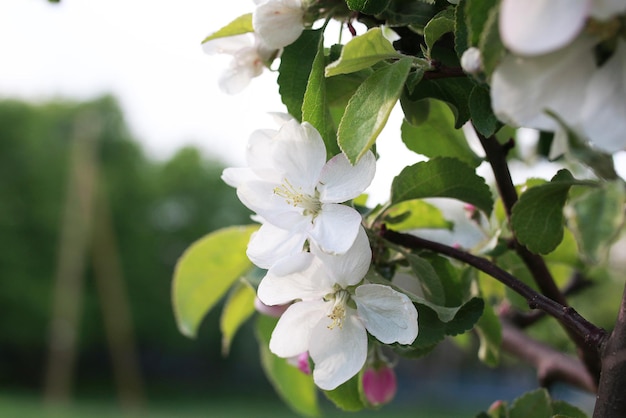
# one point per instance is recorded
(535, 27)
(330, 317)
(250, 57)
(278, 22)
(297, 193)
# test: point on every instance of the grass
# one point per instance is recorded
(30, 406)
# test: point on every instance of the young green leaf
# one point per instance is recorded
(315, 106)
(476, 13)
(238, 308)
(204, 273)
(363, 52)
(562, 409)
(295, 66)
(455, 92)
(415, 214)
(437, 137)
(442, 177)
(347, 396)
(368, 110)
(536, 404)
(294, 387)
(537, 217)
(241, 25)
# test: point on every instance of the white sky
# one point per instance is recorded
(147, 53)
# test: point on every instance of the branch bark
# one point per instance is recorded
(611, 399)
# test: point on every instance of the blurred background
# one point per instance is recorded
(113, 135)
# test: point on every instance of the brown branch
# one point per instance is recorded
(551, 365)
(611, 400)
(573, 322)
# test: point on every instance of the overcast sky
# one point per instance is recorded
(147, 53)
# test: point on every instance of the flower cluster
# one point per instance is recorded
(555, 69)
(276, 24)
(317, 253)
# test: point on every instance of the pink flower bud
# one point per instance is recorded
(301, 361)
(379, 385)
(275, 311)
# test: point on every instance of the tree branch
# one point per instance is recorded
(551, 365)
(611, 400)
(584, 330)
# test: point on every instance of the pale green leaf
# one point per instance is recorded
(437, 137)
(294, 387)
(415, 214)
(442, 177)
(489, 333)
(362, 52)
(347, 396)
(368, 110)
(241, 25)
(238, 308)
(204, 273)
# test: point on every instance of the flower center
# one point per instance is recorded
(338, 314)
(296, 198)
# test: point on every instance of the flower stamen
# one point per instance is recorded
(296, 198)
(338, 314)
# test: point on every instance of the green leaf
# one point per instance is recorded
(294, 387)
(296, 62)
(442, 23)
(369, 7)
(241, 25)
(437, 137)
(489, 333)
(369, 108)
(416, 214)
(347, 396)
(476, 13)
(461, 35)
(491, 48)
(409, 12)
(606, 207)
(466, 317)
(537, 217)
(415, 112)
(483, 118)
(204, 273)
(562, 409)
(362, 52)
(536, 404)
(315, 107)
(428, 279)
(442, 177)
(454, 91)
(238, 308)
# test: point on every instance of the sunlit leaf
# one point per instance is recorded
(369, 108)
(438, 26)
(362, 52)
(204, 273)
(294, 387)
(238, 308)
(415, 214)
(241, 25)
(347, 396)
(442, 177)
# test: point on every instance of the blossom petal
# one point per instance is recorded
(304, 279)
(292, 333)
(236, 176)
(340, 181)
(522, 89)
(278, 22)
(228, 44)
(270, 243)
(349, 268)
(388, 315)
(301, 154)
(604, 110)
(535, 27)
(338, 353)
(335, 228)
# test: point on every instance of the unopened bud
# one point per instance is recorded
(471, 61)
(379, 385)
